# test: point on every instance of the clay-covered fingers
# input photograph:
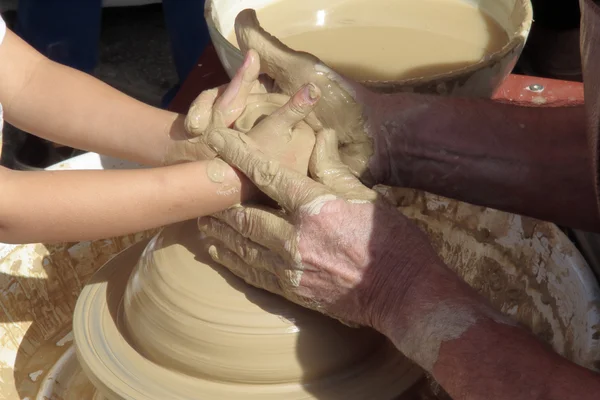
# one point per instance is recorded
(296, 109)
(249, 251)
(276, 58)
(220, 107)
(288, 68)
(289, 188)
(264, 226)
(280, 99)
(256, 277)
(200, 111)
(327, 168)
(231, 104)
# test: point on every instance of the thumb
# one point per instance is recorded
(277, 59)
(198, 116)
(327, 168)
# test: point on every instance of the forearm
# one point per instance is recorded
(532, 161)
(85, 205)
(72, 108)
(91, 116)
(474, 352)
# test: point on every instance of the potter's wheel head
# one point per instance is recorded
(170, 325)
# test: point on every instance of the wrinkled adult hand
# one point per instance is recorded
(335, 247)
(345, 105)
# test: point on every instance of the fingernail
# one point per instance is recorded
(215, 141)
(313, 92)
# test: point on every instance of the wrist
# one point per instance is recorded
(438, 307)
(401, 267)
(248, 192)
(397, 123)
(231, 181)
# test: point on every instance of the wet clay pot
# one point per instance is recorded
(480, 79)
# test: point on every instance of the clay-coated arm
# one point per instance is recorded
(475, 353)
(64, 206)
(69, 107)
(532, 161)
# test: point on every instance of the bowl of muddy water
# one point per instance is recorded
(458, 47)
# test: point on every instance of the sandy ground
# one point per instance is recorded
(135, 58)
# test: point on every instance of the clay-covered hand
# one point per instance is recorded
(216, 107)
(335, 247)
(345, 104)
(276, 125)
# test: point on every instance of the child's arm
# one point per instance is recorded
(51, 206)
(57, 206)
(72, 108)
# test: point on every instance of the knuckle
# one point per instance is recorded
(266, 172)
(252, 255)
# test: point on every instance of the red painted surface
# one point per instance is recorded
(209, 73)
(516, 88)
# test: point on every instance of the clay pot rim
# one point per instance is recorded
(517, 39)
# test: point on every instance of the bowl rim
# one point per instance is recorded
(518, 39)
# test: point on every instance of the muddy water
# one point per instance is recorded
(386, 39)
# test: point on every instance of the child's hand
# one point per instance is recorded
(275, 124)
(218, 107)
(221, 106)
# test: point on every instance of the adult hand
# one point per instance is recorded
(346, 105)
(335, 246)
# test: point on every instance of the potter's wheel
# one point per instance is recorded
(276, 349)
